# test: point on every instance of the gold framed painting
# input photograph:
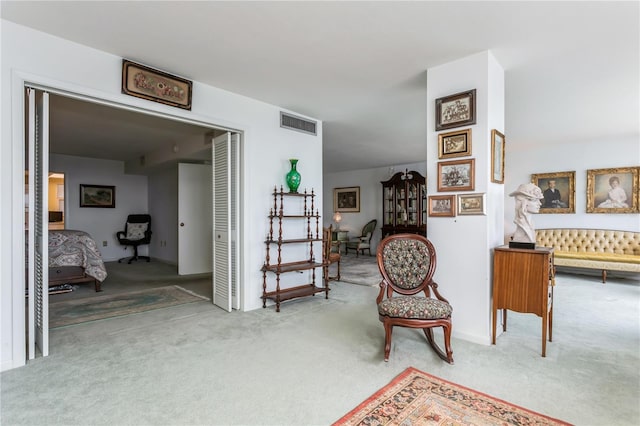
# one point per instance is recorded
(457, 175)
(497, 156)
(454, 144)
(442, 205)
(346, 200)
(613, 190)
(558, 190)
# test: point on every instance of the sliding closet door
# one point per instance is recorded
(38, 253)
(234, 200)
(225, 229)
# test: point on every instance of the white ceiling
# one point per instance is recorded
(572, 69)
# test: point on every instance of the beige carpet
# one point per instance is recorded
(361, 270)
(77, 311)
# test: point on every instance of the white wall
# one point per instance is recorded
(101, 223)
(32, 56)
(523, 161)
(369, 181)
(468, 240)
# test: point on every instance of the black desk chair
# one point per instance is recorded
(137, 232)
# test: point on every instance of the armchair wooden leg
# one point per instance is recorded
(388, 329)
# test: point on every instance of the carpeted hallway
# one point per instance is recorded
(317, 359)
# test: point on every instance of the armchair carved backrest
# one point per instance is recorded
(408, 295)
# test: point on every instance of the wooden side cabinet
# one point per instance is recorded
(523, 282)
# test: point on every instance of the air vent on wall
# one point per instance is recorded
(292, 122)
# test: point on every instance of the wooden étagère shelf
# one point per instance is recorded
(275, 241)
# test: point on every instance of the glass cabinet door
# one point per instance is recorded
(423, 204)
(412, 203)
(401, 207)
(388, 204)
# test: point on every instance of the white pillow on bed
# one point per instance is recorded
(135, 231)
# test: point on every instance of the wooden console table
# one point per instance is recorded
(523, 282)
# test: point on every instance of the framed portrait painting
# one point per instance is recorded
(97, 196)
(497, 156)
(558, 190)
(346, 199)
(442, 205)
(613, 190)
(454, 144)
(457, 175)
(456, 110)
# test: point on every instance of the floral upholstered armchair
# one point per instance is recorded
(363, 242)
(407, 263)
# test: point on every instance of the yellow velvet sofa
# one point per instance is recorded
(606, 250)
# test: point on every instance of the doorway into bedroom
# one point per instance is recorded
(137, 155)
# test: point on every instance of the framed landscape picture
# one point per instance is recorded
(442, 205)
(454, 144)
(558, 190)
(346, 199)
(456, 110)
(472, 204)
(97, 196)
(457, 175)
(613, 190)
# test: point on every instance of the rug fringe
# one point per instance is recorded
(191, 292)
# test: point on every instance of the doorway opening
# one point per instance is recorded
(77, 158)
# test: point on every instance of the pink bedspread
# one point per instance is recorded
(76, 248)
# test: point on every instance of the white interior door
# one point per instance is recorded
(225, 221)
(195, 208)
(38, 243)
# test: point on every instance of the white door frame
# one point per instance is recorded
(19, 81)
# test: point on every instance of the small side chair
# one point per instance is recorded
(407, 263)
(363, 242)
(329, 256)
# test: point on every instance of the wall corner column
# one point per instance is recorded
(464, 244)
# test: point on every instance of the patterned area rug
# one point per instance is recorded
(417, 398)
(361, 270)
(100, 307)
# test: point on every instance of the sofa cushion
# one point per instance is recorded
(605, 257)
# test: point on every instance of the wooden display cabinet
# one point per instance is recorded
(404, 204)
(523, 282)
(276, 240)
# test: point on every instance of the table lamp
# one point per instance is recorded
(337, 217)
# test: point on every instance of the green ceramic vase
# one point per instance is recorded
(293, 177)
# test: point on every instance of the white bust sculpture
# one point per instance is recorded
(528, 198)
